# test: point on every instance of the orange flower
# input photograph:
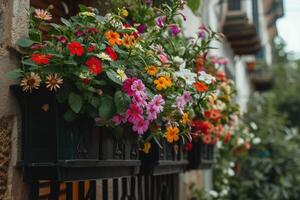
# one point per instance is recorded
(151, 70)
(162, 82)
(128, 40)
(206, 139)
(147, 147)
(172, 134)
(113, 38)
(185, 119)
(200, 86)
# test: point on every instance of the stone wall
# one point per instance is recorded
(13, 25)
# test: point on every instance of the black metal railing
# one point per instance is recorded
(162, 187)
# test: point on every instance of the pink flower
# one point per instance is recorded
(127, 86)
(134, 113)
(138, 87)
(187, 96)
(158, 103)
(118, 119)
(151, 112)
(180, 103)
(140, 126)
(140, 100)
(223, 61)
(163, 59)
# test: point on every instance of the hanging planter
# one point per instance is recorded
(262, 80)
(53, 148)
(165, 159)
(201, 156)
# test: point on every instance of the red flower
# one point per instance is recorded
(91, 48)
(206, 139)
(205, 127)
(41, 59)
(221, 76)
(111, 53)
(213, 114)
(94, 65)
(86, 81)
(76, 48)
(227, 138)
(200, 86)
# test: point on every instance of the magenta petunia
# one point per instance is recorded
(127, 86)
(134, 113)
(140, 126)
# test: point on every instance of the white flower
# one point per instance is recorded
(121, 75)
(256, 140)
(187, 75)
(103, 56)
(240, 141)
(231, 164)
(253, 126)
(178, 60)
(206, 78)
(213, 193)
(224, 192)
(220, 105)
(230, 172)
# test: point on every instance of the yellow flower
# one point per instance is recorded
(53, 81)
(147, 147)
(103, 56)
(123, 12)
(185, 119)
(172, 134)
(30, 81)
(88, 14)
(121, 75)
(129, 41)
(162, 82)
(151, 70)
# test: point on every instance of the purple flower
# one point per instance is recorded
(201, 34)
(149, 2)
(175, 30)
(160, 21)
(187, 96)
(142, 28)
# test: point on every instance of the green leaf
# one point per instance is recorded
(70, 115)
(30, 63)
(194, 5)
(75, 102)
(122, 102)
(83, 8)
(95, 102)
(63, 93)
(66, 22)
(106, 109)
(101, 82)
(25, 42)
(113, 77)
(15, 74)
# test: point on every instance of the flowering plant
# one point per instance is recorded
(126, 70)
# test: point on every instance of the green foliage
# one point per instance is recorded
(107, 108)
(122, 102)
(75, 102)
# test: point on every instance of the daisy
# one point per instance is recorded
(187, 75)
(30, 81)
(53, 81)
(43, 14)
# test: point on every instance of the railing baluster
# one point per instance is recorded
(34, 190)
(105, 189)
(69, 191)
(81, 190)
(54, 190)
(124, 188)
(116, 189)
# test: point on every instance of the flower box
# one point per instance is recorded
(55, 149)
(201, 156)
(167, 159)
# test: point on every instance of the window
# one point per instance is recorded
(234, 4)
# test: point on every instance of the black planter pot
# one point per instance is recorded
(166, 160)
(201, 156)
(55, 149)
